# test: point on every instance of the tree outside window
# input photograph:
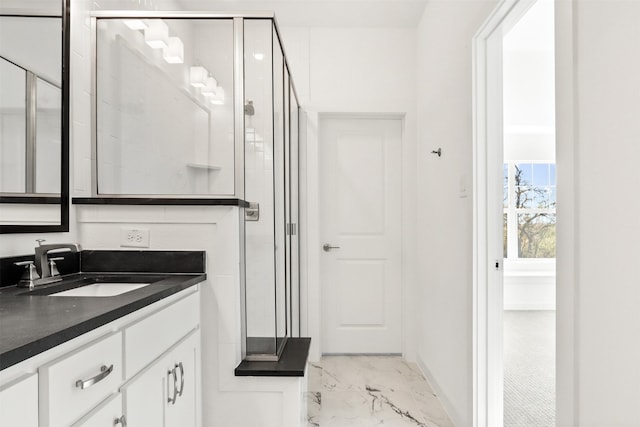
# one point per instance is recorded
(529, 210)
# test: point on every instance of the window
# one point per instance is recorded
(529, 210)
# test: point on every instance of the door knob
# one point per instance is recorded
(327, 247)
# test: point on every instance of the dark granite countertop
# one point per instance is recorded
(32, 322)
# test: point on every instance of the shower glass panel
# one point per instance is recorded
(165, 107)
(279, 113)
(294, 213)
(287, 193)
(260, 242)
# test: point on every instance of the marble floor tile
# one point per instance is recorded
(353, 391)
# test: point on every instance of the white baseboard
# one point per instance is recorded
(542, 306)
(448, 407)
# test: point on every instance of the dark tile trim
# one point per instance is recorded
(292, 363)
(39, 200)
(118, 261)
(143, 261)
(154, 201)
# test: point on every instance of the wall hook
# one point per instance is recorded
(438, 152)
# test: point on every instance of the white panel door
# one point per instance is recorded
(360, 184)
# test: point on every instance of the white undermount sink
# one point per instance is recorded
(102, 289)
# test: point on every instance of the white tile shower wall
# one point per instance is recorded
(220, 151)
(214, 47)
(260, 234)
(152, 124)
(227, 400)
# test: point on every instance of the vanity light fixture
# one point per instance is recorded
(156, 34)
(210, 86)
(174, 52)
(218, 98)
(135, 24)
(258, 56)
(198, 76)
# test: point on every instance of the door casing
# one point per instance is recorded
(487, 212)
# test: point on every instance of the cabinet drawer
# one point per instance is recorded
(149, 338)
(73, 384)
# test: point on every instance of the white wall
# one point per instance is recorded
(444, 233)
(35, 45)
(603, 224)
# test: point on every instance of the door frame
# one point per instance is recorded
(567, 302)
(487, 212)
(312, 291)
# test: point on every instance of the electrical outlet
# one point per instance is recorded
(134, 237)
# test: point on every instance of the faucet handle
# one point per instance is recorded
(53, 268)
(30, 274)
(40, 241)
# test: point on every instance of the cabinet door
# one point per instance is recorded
(144, 398)
(19, 402)
(185, 360)
(167, 392)
(107, 414)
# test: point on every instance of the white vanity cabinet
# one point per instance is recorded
(167, 392)
(19, 402)
(140, 370)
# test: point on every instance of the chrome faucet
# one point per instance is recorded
(42, 262)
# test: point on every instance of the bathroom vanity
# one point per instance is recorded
(133, 357)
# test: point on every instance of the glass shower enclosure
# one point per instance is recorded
(271, 181)
(200, 104)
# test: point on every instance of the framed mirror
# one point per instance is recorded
(34, 116)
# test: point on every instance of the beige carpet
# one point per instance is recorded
(529, 368)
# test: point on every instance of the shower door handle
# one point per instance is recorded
(327, 247)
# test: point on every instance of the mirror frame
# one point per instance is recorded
(64, 139)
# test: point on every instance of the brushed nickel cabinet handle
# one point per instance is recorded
(104, 372)
(175, 386)
(179, 365)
